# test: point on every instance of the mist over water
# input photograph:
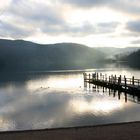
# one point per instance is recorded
(53, 99)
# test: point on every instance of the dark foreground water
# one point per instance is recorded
(37, 100)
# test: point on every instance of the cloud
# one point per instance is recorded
(133, 26)
(82, 30)
(126, 6)
(24, 18)
(35, 12)
(69, 19)
(107, 27)
(9, 30)
(136, 41)
(4, 4)
(89, 3)
(28, 17)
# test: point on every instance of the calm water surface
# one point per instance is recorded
(37, 100)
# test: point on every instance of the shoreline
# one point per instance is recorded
(116, 131)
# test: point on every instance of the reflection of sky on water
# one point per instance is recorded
(56, 81)
(59, 100)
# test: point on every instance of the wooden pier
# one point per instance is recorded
(121, 83)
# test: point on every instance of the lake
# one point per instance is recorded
(37, 100)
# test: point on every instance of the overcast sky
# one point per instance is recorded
(96, 23)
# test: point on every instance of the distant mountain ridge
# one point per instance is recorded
(20, 55)
(112, 52)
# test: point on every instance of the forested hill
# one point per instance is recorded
(133, 59)
(19, 55)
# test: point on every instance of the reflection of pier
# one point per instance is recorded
(121, 95)
(122, 84)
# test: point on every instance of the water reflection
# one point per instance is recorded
(114, 93)
(5, 124)
(50, 100)
(105, 106)
(57, 81)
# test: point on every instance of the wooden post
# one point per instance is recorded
(105, 77)
(85, 78)
(97, 76)
(115, 79)
(119, 80)
(89, 77)
(85, 75)
(111, 78)
(100, 76)
(133, 81)
(93, 76)
(89, 80)
(125, 82)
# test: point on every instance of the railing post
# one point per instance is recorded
(115, 79)
(89, 80)
(133, 81)
(111, 78)
(85, 75)
(89, 77)
(119, 80)
(105, 77)
(85, 82)
(125, 82)
(97, 76)
(93, 75)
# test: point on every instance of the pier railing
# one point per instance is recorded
(112, 80)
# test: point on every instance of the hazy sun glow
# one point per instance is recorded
(4, 5)
(101, 15)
